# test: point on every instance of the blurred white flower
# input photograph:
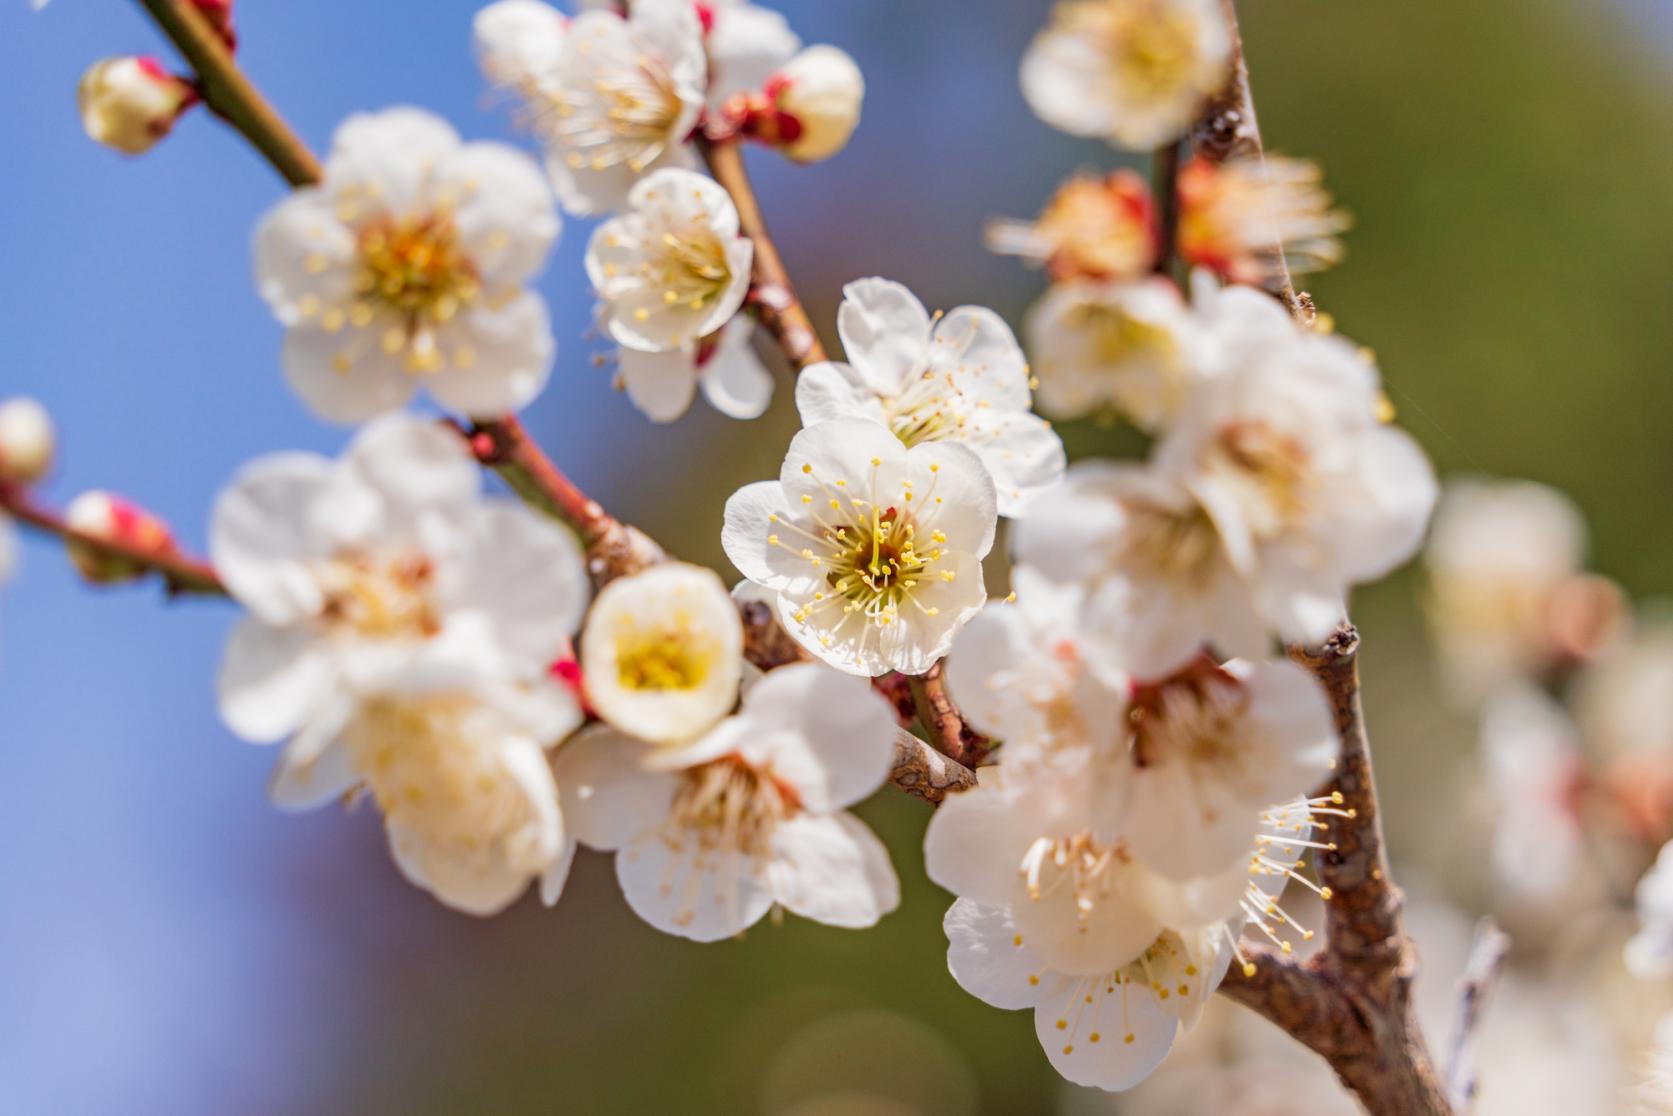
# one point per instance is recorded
(383, 574)
(620, 101)
(405, 267)
(1534, 775)
(1100, 228)
(518, 43)
(1498, 557)
(1213, 749)
(462, 780)
(960, 378)
(817, 97)
(130, 103)
(1655, 1084)
(672, 269)
(712, 834)
(723, 365)
(28, 441)
(1108, 349)
(1649, 955)
(662, 652)
(747, 45)
(1133, 72)
(1624, 701)
(873, 549)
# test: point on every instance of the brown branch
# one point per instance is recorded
(1487, 957)
(229, 94)
(925, 773)
(942, 722)
(772, 295)
(180, 573)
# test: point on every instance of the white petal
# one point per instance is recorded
(754, 513)
(415, 464)
(345, 377)
(990, 960)
(517, 41)
(970, 848)
(510, 352)
(682, 890)
(828, 735)
(528, 579)
(968, 509)
(308, 777)
(832, 869)
(461, 883)
(261, 536)
(384, 157)
(662, 384)
(1111, 1062)
(1025, 457)
(733, 379)
(608, 799)
(885, 333)
(272, 679)
(833, 390)
(503, 210)
(553, 879)
(304, 256)
(1114, 932)
(975, 346)
(747, 45)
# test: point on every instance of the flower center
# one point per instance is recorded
(924, 412)
(728, 806)
(674, 658)
(1271, 470)
(388, 599)
(1080, 863)
(434, 767)
(414, 267)
(691, 268)
(1176, 544)
(1118, 337)
(1098, 228)
(1200, 721)
(622, 117)
(1150, 48)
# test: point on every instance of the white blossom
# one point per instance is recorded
(1533, 770)
(621, 101)
(711, 835)
(961, 378)
(28, 441)
(1214, 748)
(873, 549)
(673, 268)
(462, 780)
(747, 45)
(383, 573)
(818, 96)
(1624, 701)
(405, 267)
(1104, 348)
(518, 43)
(1133, 72)
(662, 652)
(723, 365)
(130, 103)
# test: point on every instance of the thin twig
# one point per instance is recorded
(772, 295)
(1164, 187)
(1487, 958)
(181, 573)
(942, 722)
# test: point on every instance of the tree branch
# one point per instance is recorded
(772, 295)
(180, 573)
(942, 721)
(1487, 958)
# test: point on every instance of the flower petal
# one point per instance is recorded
(272, 679)
(885, 333)
(990, 960)
(832, 869)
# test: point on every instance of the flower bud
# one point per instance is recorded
(817, 96)
(131, 103)
(103, 515)
(27, 441)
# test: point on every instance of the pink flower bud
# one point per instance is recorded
(817, 96)
(131, 103)
(103, 515)
(27, 441)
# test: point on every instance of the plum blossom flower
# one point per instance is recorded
(1133, 72)
(518, 44)
(1244, 217)
(711, 835)
(873, 550)
(1649, 955)
(1213, 749)
(747, 45)
(662, 653)
(672, 269)
(1107, 349)
(723, 365)
(128, 104)
(1534, 775)
(816, 100)
(621, 101)
(383, 573)
(961, 378)
(1093, 228)
(405, 267)
(461, 778)
(28, 441)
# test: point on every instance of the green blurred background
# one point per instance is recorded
(1508, 164)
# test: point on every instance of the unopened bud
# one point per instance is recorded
(817, 96)
(102, 515)
(131, 103)
(27, 441)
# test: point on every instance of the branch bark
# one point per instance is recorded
(180, 573)
(1487, 958)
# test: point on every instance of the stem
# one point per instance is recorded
(180, 573)
(772, 295)
(1164, 187)
(941, 719)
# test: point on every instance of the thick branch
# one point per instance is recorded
(925, 773)
(772, 295)
(229, 94)
(180, 573)
(942, 721)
